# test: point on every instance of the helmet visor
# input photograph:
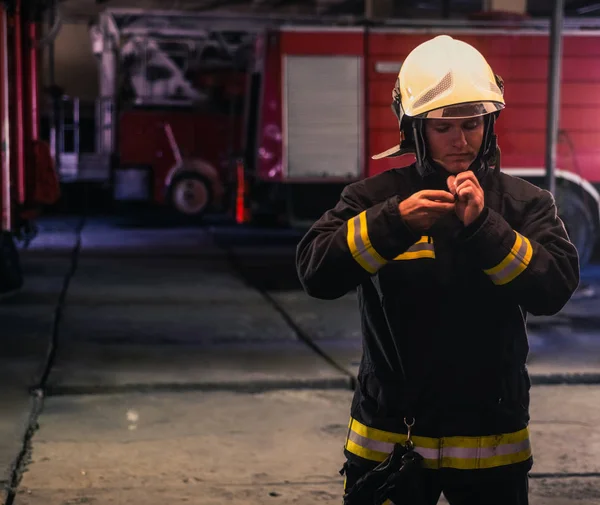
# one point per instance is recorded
(463, 110)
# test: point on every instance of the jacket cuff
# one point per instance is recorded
(379, 234)
(495, 247)
(474, 227)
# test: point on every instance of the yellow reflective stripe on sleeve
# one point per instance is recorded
(466, 453)
(360, 245)
(415, 255)
(515, 262)
(421, 249)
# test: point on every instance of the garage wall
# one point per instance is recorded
(75, 65)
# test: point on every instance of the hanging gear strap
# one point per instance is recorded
(394, 475)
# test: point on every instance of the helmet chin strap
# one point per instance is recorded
(428, 166)
(424, 163)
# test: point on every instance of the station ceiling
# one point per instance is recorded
(82, 9)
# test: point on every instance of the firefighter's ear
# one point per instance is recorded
(499, 82)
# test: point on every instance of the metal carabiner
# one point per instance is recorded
(409, 444)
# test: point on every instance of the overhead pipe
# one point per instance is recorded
(19, 127)
(56, 22)
(553, 108)
(31, 119)
(4, 124)
(32, 79)
(55, 97)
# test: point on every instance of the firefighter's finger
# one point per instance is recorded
(451, 182)
(467, 176)
(467, 192)
(441, 207)
(436, 195)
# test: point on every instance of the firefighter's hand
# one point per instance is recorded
(421, 210)
(470, 200)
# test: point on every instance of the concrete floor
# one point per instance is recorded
(211, 447)
(175, 380)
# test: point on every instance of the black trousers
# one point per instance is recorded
(507, 485)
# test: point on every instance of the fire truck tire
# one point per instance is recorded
(578, 221)
(190, 194)
(11, 276)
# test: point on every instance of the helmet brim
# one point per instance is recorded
(463, 110)
(393, 152)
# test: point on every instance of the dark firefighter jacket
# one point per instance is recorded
(449, 305)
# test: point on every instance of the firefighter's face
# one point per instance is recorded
(454, 143)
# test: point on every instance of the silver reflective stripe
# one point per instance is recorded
(516, 262)
(426, 246)
(428, 453)
(367, 443)
(485, 452)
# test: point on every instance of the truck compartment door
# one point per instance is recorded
(323, 117)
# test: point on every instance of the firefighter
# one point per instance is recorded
(447, 255)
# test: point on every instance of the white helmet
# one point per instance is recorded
(443, 78)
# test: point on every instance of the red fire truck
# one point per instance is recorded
(319, 108)
(28, 179)
(168, 116)
(316, 99)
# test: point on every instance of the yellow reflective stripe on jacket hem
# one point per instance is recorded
(476, 464)
(464, 453)
(360, 245)
(365, 453)
(514, 263)
(388, 436)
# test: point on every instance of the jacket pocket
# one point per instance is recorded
(370, 392)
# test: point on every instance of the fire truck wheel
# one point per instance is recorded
(578, 221)
(11, 277)
(190, 194)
